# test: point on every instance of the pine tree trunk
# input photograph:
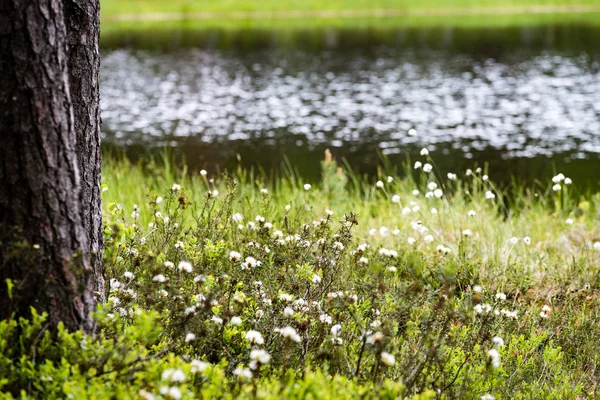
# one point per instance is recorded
(40, 187)
(83, 33)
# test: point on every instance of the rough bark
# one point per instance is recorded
(40, 189)
(83, 33)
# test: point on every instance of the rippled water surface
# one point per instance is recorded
(522, 106)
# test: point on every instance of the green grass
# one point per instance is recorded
(488, 295)
(229, 14)
(470, 21)
(114, 8)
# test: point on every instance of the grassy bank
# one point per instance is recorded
(248, 286)
(112, 9)
(119, 15)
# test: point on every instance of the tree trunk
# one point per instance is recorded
(40, 188)
(83, 33)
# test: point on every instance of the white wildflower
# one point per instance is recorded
(336, 329)
(495, 357)
(235, 256)
(243, 373)
(254, 337)
(288, 312)
(184, 266)
(387, 359)
(198, 366)
(290, 333)
(558, 178)
(338, 246)
(376, 337)
(260, 356)
(498, 341)
(190, 337)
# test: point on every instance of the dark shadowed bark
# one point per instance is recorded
(83, 32)
(40, 185)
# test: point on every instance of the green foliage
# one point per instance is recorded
(248, 287)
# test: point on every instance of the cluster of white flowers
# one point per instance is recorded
(289, 333)
(234, 256)
(441, 249)
(388, 253)
(546, 310)
(173, 375)
(514, 240)
(171, 391)
(498, 341)
(494, 357)
(198, 366)
(254, 337)
(373, 338)
(185, 266)
(259, 357)
(338, 246)
(242, 373)
(249, 263)
(325, 319)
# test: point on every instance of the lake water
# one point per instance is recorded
(524, 100)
